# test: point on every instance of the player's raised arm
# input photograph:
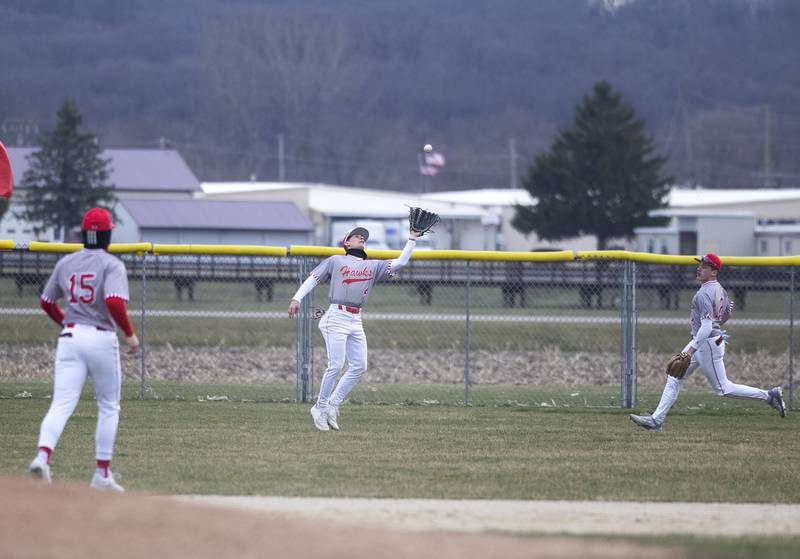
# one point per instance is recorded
(405, 255)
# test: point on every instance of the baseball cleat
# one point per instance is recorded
(775, 400)
(333, 414)
(106, 483)
(647, 422)
(40, 469)
(320, 419)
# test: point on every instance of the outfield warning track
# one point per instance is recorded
(531, 517)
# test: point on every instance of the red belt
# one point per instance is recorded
(354, 310)
(72, 325)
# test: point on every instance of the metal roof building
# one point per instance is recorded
(135, 172)
(157, 191)
(211, 222)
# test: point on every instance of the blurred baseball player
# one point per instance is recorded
(95, 286)
(711, 308)
(352, 277)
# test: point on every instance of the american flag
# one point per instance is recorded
(430, 163)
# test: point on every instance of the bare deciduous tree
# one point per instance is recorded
(282, 75)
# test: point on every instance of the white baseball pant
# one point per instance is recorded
(344, 339)
(85, 350)
(709, 357)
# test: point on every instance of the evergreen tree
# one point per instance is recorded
(600, 177)
(66, 176)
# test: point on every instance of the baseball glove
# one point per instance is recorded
(677, 365)
(421, 221)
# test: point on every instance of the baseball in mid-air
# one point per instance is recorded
(428, 148)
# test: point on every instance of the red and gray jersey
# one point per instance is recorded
(351, 278)
(710, 301)
(86, 279)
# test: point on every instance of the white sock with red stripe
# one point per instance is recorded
(43, 453)
(103, 467)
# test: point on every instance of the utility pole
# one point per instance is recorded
(512, 161)
(281, 157)
(767, 149)
(688, 139)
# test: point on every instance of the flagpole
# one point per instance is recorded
(421, 159)
(424, 170)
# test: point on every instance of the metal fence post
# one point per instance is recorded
(143, 341)
(627, 342)
(468, 345)
(623, 338)
(634, 368)
(791, 337)
(303, 343)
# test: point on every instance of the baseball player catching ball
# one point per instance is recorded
(711, 308)
(352, 277)
(95, 286)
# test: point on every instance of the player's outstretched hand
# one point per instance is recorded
(133, 343)
(294, 308)
(414, 234)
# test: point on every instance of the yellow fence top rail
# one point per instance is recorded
(38, 246)
(128, 248)
(6, 244)
(303, 250)
(495, 256)
(760, 261)
(555, 256)
(252, 250)
(650, 258)
(119, 248)
(474, 255)
(646, 257)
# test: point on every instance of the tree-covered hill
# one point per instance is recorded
(353, 88)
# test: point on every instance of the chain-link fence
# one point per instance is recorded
(534, 330)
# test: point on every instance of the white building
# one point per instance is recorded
(747, 222)
(463, 226)
(499, 205)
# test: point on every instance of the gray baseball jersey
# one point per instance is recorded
(710, 301)
(86, 279)
(351, 278)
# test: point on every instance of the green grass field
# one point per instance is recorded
(735, 452)
(712, 450)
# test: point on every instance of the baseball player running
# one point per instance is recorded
(711, 308)
(352, 277)
(95, 285)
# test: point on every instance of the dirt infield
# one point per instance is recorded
(68, 521)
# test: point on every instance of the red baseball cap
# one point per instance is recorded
(97, 219)
(711, 259)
